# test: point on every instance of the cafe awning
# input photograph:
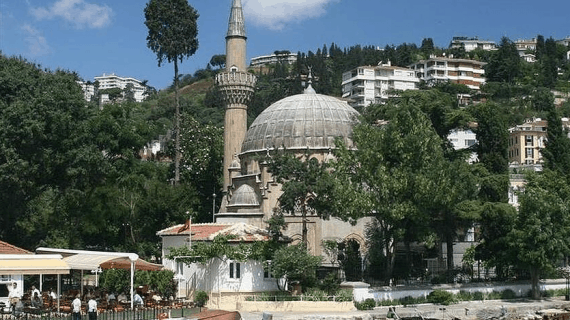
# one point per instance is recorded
(89, 260)
(33, 264)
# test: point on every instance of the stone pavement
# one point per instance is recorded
(490, 309)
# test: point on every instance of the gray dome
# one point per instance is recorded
(244, 196)
(302, 121)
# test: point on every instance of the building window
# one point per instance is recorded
(470, 142)
(235, 270)
(528, 141)
(267, 270)
(529, 152)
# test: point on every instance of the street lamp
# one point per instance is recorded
(214, 208)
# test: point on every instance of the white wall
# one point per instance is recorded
(392, 293)
(214, 276)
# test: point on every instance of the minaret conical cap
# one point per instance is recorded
(236, 26)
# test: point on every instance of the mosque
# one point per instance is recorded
(303, 123)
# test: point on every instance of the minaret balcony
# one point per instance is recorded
(236, 87)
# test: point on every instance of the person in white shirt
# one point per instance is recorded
(52, 294)
(138, 301)
(34, 291)
(76, 308)
(14, 296)
(92, 309)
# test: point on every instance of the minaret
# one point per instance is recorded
(236, 86)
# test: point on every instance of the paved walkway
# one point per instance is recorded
(490, 309)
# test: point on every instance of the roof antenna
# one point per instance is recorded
(309, 89)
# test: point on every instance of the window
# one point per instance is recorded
(267, 270)
(529, 152)
(528, 141)
(470, 142)
(235, 270)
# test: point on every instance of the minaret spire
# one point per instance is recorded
(236, 26)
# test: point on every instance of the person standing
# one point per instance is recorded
(92, 308)
(76, 311)
(14, 296)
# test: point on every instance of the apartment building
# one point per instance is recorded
(283, 57)
(110, 81)
(524, 45)
(526, 141)
(461, 71)
(463, 139)
(366, 85)
(472, 43)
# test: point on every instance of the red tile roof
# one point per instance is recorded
(208, 231)
(6, 248)
(199, 231)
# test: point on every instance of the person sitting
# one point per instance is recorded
(138, 300)
(37, 301)
(122, 298)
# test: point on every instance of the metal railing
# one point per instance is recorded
(127, 314)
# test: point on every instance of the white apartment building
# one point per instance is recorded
(373, 84)
(472, 43)
(111, 81)
(463, 139)
(524, 45)
(88, 90)
(288, 58)
(461, 71)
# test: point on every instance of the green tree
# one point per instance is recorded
(129, 93)
(172, 36)
(295, 264)
(203, 152)
(305, 183)
(492, 150)
(388, 177)
(556, 152)
(505, 63)
(47, 153)
(218, 60)
(496, 222)
(539, 239)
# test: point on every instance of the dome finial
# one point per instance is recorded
(309, 89)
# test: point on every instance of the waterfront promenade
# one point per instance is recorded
(472, 310)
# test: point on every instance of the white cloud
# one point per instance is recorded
(37, 43)
(276, 14)
(80, 13)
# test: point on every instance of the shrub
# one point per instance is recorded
(367, 304)
(478, 296)
(508, 294)
(344, 295)
(465, 296)
(408, 301)
(200, 298)
(330, 283)
(315, 295)
(441, 297)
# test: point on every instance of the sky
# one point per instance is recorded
(93, 37)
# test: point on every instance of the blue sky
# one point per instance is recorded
(93, 37)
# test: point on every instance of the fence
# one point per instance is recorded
(140, 314)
